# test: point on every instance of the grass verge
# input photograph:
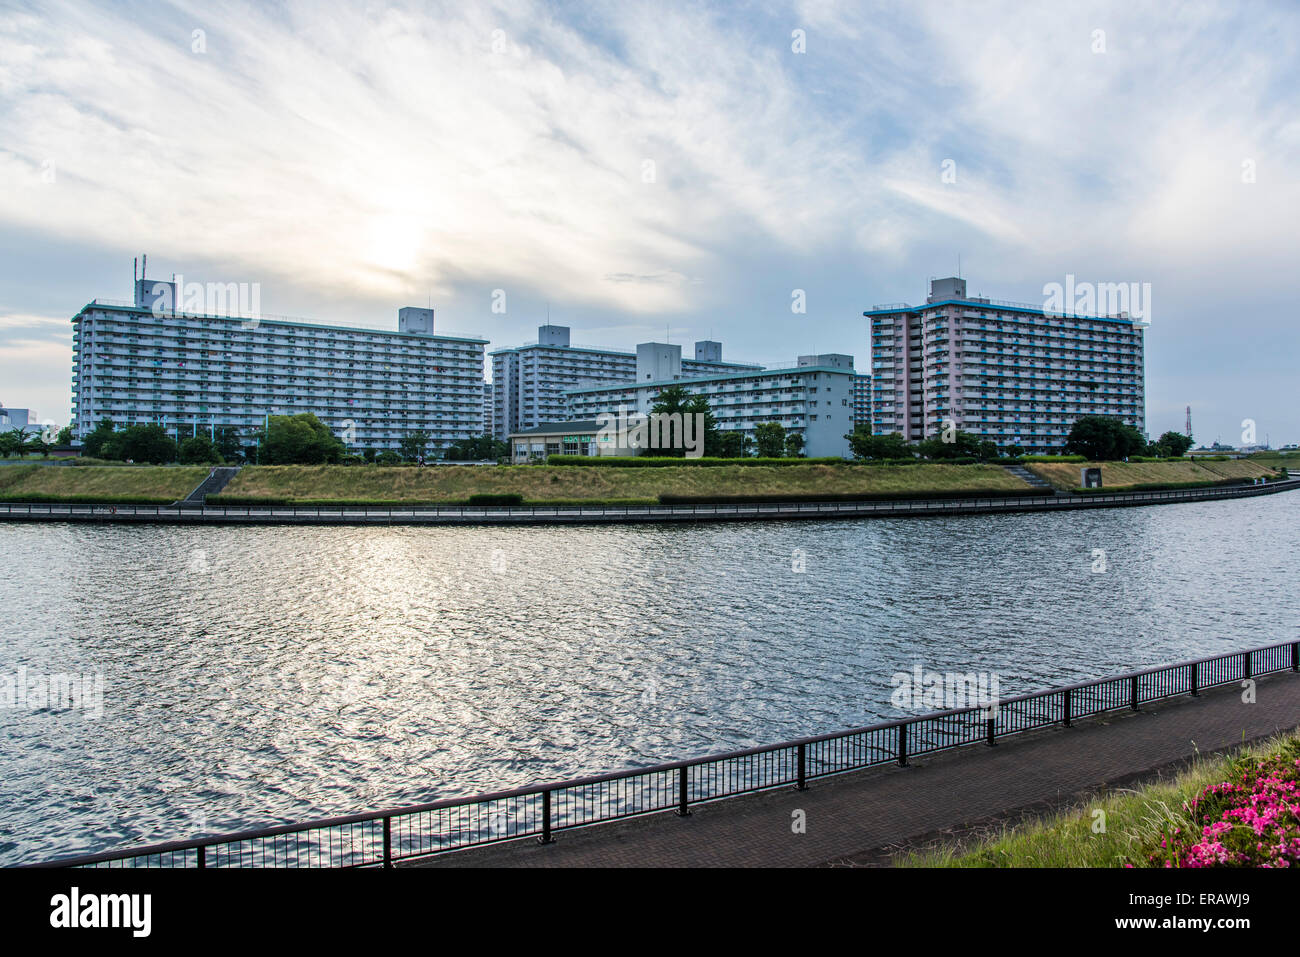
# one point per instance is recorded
(1136, 822)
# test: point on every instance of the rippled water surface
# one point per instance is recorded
(255, 676)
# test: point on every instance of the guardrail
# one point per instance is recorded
(381, 838)
(482, 514)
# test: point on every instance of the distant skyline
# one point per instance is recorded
(679, 167)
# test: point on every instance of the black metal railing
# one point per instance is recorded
(481, 514)
(381, 838)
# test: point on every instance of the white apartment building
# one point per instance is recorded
(142, 362)
(814, 399)
(529, 381)
(1011, 373)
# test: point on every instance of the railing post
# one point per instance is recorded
(202, 862)
(1196, 679)
(803, 768)
(682, 797)
(992, 733)
(902, 745)
(546, 820)
(1295, 656)
(388, 843)
(1245, 664)
(1133, 692)
(1067, 708)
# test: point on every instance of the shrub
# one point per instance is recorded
(495, 498)
(647, 461)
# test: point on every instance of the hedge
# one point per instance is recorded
(662, 461)
(799, 499)
(42, 498)
(495, 498)
(1160, 486)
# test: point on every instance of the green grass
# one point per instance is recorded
(546, 485)
(137, 484)
(1135, 822)
(1124, 475)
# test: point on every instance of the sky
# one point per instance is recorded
(664, 170)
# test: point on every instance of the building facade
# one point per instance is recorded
(1010, 373)
(529, 381)
(137, 363)
(813, 399)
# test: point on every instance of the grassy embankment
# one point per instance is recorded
(330, 484)
(110, 485)
(1153, 475)
(1135, 822)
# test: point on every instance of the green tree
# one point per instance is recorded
(1015, 451)
(732, 445)
(300, 439)
(13, 442)
(64, 437)
(676, 400)
(1103, 438)
(229, 444)
(482, 448)
(963, 445)
(388, 457)
(199, 450)
(1172, 445)
(92, 444)
(142, 443)
(793, 445)
(770, 439)
(413, 445)
(890, 445)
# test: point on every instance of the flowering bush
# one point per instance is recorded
(1250, 820)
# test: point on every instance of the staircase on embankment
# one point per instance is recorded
(1020, 472)
(211, 485)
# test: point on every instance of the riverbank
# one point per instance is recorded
(404, 486)
(547, 485)
(186, 514)
(1121, 476)
(109, 485)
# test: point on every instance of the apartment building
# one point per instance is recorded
(862, 399)
(529, 381)
(813, 398)
(145, 362)
(1012, 373)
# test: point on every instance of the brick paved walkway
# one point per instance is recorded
(857, 817)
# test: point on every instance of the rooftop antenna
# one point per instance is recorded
(144, 266)
(135, 270)
(959, 265)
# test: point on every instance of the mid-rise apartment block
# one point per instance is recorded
(1012, 373)
(145, 362)
(529, 381)
(813, 399)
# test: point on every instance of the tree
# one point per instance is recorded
(1103, 438)
(199, 450)
(1172, 445)
(483, 448)
(144, 443)
(229, 444)
(963, 445)
(413, 445)
(731, 445)
(64, 437)
(675, 400)
(1015, 451)
(92, 445)
(388, 457)
(793, 445)
(300, 439)
(864, 445)
(770, 439)
(14, 442)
